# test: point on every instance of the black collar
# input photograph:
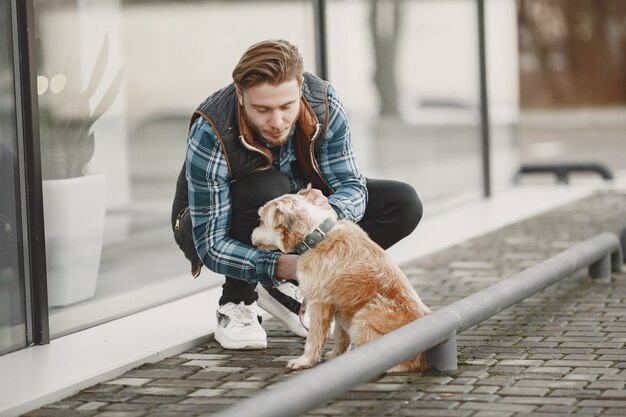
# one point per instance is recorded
(315, 237)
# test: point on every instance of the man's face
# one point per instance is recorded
(271, 110)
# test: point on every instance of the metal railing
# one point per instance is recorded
(563, 170)
(435, 333)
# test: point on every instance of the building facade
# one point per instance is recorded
(95, 103)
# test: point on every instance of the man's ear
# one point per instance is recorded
(239, 92)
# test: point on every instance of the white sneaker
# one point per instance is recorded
(283, 302)
(238, 327)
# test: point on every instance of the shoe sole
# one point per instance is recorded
(267, 303)
(227, 343)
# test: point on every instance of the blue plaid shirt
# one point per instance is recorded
(210, 203)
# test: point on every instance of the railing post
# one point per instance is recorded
(443, 357)
(618, 256)
(601, 268)
(611, 262)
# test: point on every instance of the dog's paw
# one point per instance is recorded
(331, 355)
(300, 363)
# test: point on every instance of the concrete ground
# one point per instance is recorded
(558, 352)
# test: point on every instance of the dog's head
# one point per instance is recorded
(286, 221)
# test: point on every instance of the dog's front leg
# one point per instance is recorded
(321, 319)
(342, 342)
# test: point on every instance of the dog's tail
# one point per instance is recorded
(415, 364)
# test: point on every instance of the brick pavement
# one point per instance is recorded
(558, 352)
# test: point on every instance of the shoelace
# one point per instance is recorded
(291, 290)
(242, 313)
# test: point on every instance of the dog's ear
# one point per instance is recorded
(284, 217)
(286, 220)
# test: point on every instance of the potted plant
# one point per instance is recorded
(74, 199)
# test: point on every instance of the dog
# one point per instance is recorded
(343, 275)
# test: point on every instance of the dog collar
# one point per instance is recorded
(315, 237)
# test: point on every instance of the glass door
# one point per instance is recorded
(12, 277)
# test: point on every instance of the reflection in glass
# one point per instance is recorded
(408, 74)
(151, 64)
(12, 298)
(148, 64)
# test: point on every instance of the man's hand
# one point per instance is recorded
(287, 265)
(316, 197)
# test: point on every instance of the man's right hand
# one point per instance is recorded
(287, 266)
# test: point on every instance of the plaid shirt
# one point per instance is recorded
(210, 203)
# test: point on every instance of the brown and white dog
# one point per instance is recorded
(343, 275)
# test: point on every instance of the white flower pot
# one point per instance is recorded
(74, 211)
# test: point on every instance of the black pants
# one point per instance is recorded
(393, 211)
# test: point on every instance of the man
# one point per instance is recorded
(274, 130)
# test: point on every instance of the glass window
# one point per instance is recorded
(408, 74)
(12, 295)
(119, 79)
(118, 82)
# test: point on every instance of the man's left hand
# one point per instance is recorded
(316, 197)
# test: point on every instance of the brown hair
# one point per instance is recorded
(271, 61)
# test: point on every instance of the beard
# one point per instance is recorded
(276, 137)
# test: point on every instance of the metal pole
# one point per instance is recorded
(601, 268)
(321, 55)
(444, 356)
(497, 297)
(622, 238)
(313, 387)
(27, 111)
(484, 100)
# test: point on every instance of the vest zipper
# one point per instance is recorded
(252, 148)
(179, 217)
(312, 153)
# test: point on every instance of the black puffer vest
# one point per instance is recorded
(244, 155)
